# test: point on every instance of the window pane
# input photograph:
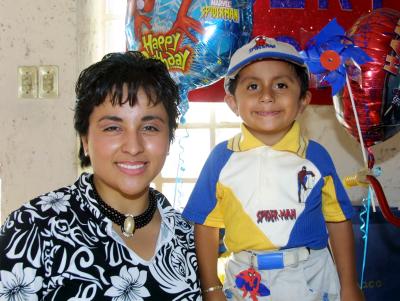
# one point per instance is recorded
(225, 134)
(177, 195)
(198, 112)
(224, 114)
(116, 7)
(193, 147)
(115, 36)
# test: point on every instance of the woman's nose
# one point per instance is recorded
(133, 143)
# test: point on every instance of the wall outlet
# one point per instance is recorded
(27, 82)
(48, 81)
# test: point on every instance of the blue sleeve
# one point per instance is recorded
(203, 197)
(321, 158)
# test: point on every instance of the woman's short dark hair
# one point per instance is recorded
(301, 73)
(107, 78)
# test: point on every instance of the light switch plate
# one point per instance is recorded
(27, 82)
(48, 81)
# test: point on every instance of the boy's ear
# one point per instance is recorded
(305, 101)
(230, 100)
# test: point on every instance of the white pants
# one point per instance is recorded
(310, 280)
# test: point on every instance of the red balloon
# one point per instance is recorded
(377, 97)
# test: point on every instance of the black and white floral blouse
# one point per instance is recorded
(61, 247)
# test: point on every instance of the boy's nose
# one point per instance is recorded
(266, 95)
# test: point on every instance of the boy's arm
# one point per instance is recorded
(207, 242)
(342, 243)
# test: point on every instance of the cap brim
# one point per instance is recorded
(231, 74)
(266, 55)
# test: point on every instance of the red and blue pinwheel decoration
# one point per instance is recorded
(326, 55)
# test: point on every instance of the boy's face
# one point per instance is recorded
(267, 98)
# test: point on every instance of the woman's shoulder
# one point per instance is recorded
(52, 204)
(170, 214)
(27, 230)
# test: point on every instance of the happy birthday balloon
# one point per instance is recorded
(377, 94)
(194, 38)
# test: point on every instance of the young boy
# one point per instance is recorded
(276, 193)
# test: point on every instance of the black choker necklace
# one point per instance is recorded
(128, 222)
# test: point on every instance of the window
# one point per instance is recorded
(114, 26)
(206, 124)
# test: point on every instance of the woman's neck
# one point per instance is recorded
(126, 204)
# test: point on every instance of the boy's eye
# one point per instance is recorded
(252, 87)
(281, 86)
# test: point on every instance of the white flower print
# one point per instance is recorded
(129, 285)
(20, 284)
(58, 201)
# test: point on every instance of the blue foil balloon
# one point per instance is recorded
(194, 38)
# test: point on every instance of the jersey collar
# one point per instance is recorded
(293, 141)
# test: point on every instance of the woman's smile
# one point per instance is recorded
(128, 167)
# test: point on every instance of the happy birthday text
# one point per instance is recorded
(166, 48)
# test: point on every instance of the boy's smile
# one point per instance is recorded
(267, 98)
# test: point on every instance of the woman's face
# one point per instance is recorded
(127, 146)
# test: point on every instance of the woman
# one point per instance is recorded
(109, 236)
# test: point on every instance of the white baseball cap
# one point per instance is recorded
(259, 48)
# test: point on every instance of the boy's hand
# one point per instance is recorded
(351, 293)
(342, 244)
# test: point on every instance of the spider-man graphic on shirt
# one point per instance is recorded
(302, 177)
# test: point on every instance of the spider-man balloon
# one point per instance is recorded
(195, 38)
(377, 94)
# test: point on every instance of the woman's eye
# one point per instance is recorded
(150, 128)
(112, 128)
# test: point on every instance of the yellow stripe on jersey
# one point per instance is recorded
(247, 235)
(330, 206)
(215, 217)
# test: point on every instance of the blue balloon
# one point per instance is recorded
(195, 38)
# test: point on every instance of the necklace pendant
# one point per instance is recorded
(129, 227)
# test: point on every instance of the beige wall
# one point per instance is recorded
(37, 141)
(37, 146)
(321, 125)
